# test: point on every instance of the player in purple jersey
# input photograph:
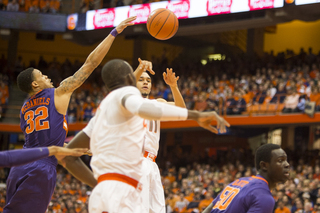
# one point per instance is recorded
(24, 156)
(252, 194)
(43, 121)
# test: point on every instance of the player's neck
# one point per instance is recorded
(34, 92)
(271, 183)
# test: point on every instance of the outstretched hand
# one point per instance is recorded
(61, 152)
(170, 78)
(205, 119)
(145, 66)
(125, 23)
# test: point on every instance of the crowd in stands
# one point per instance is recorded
(32, 6)
(272, 84)
(4, 88)
(192, 181)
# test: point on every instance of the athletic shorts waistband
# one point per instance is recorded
(121, 178)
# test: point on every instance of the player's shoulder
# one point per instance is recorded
(252, 183)
(126, 90)
(160, 100)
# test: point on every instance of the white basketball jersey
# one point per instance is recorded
(152, 139)
(117, 137)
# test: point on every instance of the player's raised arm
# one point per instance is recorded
(151, 110)
(142, 67)
(63, 92)
(171, 80)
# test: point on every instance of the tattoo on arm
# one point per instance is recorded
(75, 81)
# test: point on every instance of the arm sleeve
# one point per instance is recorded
(152, 110)
(22, 156)
(261, 201)
(88, 129)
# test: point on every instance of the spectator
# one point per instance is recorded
(315, 97)
(281, 208)
(240, 104)
(307, 207)
(201, 104)
(206, 202)
(13, 6)
(34, 8)
(291, 101)
(181, 204)
(54, 6)
(280, 95)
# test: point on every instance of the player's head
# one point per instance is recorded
(144, 84)
(32, 80)
(117, 73)
(271, 161)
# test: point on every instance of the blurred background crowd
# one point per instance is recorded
(234, 86)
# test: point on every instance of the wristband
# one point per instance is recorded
(114, 32)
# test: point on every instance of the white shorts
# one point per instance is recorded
(115, 197)
(152, 191)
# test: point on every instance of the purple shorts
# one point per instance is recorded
(30, 187)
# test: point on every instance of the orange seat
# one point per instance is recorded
(263, 108)
(272, 108)
(280, 107)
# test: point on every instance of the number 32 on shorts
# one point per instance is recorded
(35, 119)
(226, 197)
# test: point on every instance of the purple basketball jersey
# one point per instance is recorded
(245, 195)
(41, 123)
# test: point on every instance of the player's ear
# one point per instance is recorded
(34, 84)
(264, 166)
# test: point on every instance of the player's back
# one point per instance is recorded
(117, 137)
(244, 195)
(41, 123)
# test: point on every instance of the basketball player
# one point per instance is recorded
(43, 122)
(252, 194)
(152, 191)
(24, 156)
(117, 137)
(75, 165)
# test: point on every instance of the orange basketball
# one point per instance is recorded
(162, 24)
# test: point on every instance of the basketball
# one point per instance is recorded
(162, 24)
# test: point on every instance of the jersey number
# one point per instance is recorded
(151, 124)
(35, 119)
(226, 198)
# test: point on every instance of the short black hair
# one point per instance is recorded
(25, 79)
(113, 72)
(263, 153)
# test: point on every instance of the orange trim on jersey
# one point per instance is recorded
(34, 94)
(150, 156)
(65, 124)
(260, 178)
(118, 177)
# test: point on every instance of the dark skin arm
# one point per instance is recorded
(208, 209)
(75, 165)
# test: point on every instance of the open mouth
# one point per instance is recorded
(287, 174)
